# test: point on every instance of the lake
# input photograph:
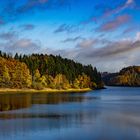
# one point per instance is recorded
(109, 114)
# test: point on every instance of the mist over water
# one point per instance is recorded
(110, 114)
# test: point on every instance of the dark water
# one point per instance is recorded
(111, 114)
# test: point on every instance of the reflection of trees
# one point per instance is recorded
(11, 102)
(51, 118)
(17, 101)
(56, 98)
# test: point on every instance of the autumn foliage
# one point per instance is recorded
(129, 76)
(45, 71)
(14, 74)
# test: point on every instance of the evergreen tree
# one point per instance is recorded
(52, 71)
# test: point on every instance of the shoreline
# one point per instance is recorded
(46, 90)
(122, 86)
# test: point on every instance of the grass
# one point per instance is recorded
(46, 90)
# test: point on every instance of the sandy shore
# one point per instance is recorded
(46, 90)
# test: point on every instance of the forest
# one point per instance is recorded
(39, 71)
(129, 76)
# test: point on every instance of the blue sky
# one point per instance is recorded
(103, 33)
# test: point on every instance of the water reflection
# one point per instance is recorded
(14, 101)
(18, 101)
(58, 98)
(97, 115)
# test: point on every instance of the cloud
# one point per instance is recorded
(43, 5)
(13, 9)
(73, 39)
(115, 49)
(112, 56)
(137, 38)
(8, 35)
(23, 46)
(120, 54)
(12, 44)
(101, 9)
(129, 30)
(87, 43)
(30, 4)
(114, 24)
(106, 10)
(27, 27)
(119, 8)
(129, 2)
(66, 28)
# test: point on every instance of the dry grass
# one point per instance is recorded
(46, 90)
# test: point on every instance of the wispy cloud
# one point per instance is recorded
(114, 24)
(8, 35)
(27, 27)
(115, 49)
(11, 42)
(43, 5)
(30, 4)
(120, 53)
(73, 39)
(127, 4)
(23, 46)
(128, 30)
(137, 38)
(87, 43)
(66, 28)
(106, 10)
(16, 9)
(119, 8)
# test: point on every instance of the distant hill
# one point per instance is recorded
(129, 76)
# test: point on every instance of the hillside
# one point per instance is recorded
(40, 71)
(129, 76)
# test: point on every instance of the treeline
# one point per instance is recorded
(46, 71)
(129, 76)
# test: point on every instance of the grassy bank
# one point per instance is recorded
(46, 90)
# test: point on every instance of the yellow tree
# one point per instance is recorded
(60, 81)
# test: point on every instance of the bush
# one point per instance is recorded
(37, 86)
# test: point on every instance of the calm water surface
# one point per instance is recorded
(110, 114)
